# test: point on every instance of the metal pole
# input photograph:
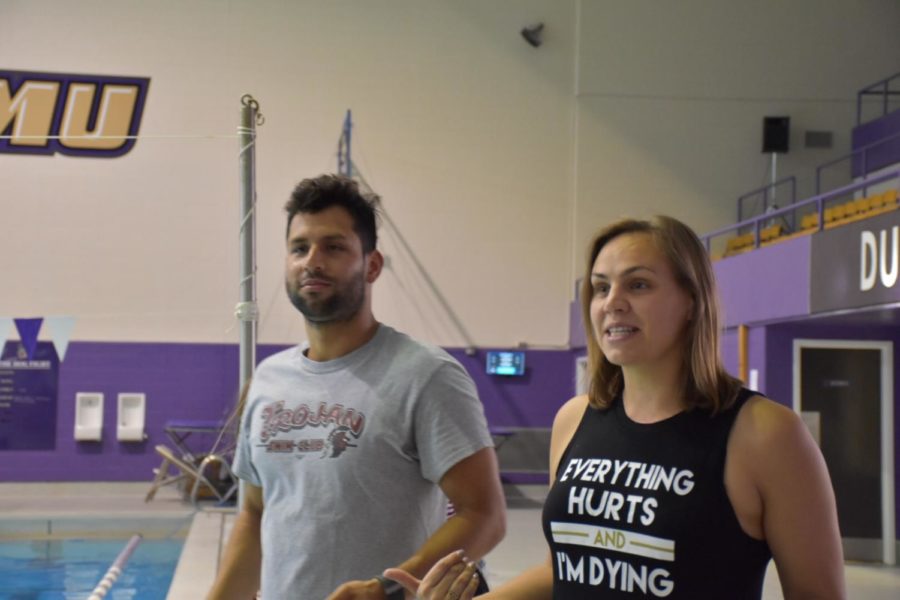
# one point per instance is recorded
(743, 343)
(247, 311)
(774, 175)
(348, 134)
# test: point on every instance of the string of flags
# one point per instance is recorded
(58, 328)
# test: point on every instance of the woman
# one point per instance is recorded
(669, 479)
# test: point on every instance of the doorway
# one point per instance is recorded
(844, 391)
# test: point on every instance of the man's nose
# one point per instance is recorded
(314, 259)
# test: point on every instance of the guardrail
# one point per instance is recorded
(863, 152)
(881, 88)
(819, 202)
(765, 192)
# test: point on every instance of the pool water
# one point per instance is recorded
(71, 569)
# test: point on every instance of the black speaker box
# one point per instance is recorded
(776, 134)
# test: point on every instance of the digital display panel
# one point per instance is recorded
(510, 363)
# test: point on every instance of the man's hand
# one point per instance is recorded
(359, 590)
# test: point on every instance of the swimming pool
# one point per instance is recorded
(64, 569)
(63, 566)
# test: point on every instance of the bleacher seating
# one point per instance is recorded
(861, 208)
(809, 222)
(835, 216)
(770, 234)
(739, 244)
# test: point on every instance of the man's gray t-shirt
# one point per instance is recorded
(348, 453)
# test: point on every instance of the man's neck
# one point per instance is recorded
(328, 341)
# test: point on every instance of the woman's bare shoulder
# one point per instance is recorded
(564, 425)
(762, 423)
(570, 413)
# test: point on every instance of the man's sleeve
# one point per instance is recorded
(243, 462)
(449, 421)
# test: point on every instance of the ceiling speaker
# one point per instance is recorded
(533, 34)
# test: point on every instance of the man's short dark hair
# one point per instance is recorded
(315, 194)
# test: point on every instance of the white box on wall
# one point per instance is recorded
(132, 409)
(88, 416)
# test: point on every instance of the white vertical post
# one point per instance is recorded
(247, 312)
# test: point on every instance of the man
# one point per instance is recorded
(349, 444)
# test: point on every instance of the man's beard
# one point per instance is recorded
(343, 304)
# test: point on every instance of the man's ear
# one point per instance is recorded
(374, 264)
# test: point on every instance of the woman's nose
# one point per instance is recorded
(615, 301)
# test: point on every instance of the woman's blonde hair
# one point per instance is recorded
(706, 384)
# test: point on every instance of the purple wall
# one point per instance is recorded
(528, 401)
(765, 284)
(199, 381)
(179, 380)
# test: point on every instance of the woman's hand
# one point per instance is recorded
(454, 577)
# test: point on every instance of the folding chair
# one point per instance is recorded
(195, 473)
(161, 473)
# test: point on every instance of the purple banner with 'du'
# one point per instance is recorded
(28, 397)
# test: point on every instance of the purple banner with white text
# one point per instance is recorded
(28, 397)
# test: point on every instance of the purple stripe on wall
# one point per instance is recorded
(528, 401)
(180, 381)
(199, 381)
(767, 283)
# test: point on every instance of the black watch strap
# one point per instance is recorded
(392, 589)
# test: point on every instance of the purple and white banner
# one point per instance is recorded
(28, 396)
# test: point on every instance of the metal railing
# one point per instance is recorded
(819, 201)
(766, 190)
(881, 88)
(862, 152)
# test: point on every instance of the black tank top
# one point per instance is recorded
(641, 511)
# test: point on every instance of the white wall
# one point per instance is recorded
(463, 128)
(493, 167)
(672, 95)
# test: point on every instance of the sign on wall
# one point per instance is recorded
(856, 265)
(79, 115)
(28, 392)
